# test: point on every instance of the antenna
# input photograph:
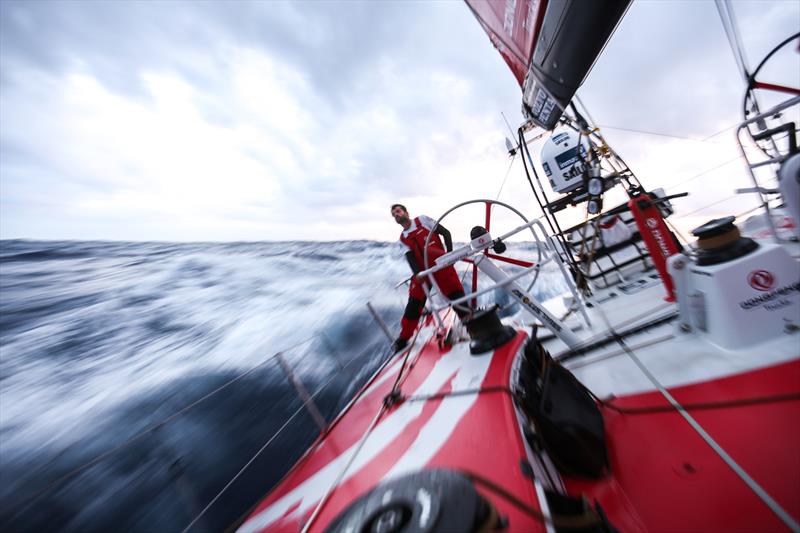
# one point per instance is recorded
(512, 148)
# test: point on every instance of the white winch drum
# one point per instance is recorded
(563, 159)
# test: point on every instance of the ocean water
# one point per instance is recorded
(136, 379)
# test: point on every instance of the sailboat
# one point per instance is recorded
(660, 393)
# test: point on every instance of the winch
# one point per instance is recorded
(733, 291)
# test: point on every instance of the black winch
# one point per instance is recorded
(719, 241)
(486, 331)
(429, 501)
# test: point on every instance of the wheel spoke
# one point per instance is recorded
(518, 262)
(471, 256)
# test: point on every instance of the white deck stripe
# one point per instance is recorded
(311, 490)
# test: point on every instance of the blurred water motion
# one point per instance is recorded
(100, 341)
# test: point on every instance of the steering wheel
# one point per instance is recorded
(465, 253)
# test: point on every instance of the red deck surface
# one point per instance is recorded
(470, 445)
(665, 477)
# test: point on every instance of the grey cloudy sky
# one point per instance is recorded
(305, 120)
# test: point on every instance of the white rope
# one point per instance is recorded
(272, 438)
(338, 479)
(513, 158)
(259, 452)
(363, 440)
(732, 33)
(245, 467)
(585, 110)
(615, 353)
(146, 431)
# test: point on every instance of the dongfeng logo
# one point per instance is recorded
(655, 231)
(761, 280)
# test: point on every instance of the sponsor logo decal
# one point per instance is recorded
(560, 137)
(767, 299)
(554, 326)
(658, 235)
(761, 280)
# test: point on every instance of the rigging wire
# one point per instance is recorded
(732, 464)
(723, 130)
(703, 173)
(669, 135)
(720, 404)
(395, 392)
(397, 382)
(510, 129)
(508, 171)
(264, 447)
(72, 473)
(248, 463)
(712, 204)
(367, 386)
(339, 478)
(585, 109)
(656, 133)
(732, 33)
(743, 213)
(513, 158)
(672, 136)
(746, 212)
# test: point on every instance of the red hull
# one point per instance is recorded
(664, 476)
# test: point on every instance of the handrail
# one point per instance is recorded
(751, 166)
(780, 107)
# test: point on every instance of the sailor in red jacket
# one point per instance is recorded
(415, 232)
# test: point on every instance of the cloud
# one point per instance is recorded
(283, 120)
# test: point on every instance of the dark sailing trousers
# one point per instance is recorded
(449, 284)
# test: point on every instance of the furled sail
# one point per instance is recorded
(550, 46)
